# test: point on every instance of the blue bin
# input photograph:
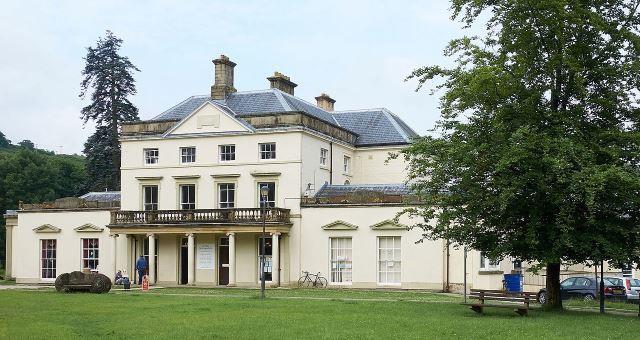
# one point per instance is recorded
(513, 282)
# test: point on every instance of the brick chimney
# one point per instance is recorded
(223, 84)
(325, 102)
(281, 82)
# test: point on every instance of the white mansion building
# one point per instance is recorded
(190, 200)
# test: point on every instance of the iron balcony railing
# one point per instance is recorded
(216, 216)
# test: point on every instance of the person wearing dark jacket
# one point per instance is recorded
(141, 266)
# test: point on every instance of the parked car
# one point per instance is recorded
(585, 288)
(631, 286)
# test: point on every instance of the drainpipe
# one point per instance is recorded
(448, 255)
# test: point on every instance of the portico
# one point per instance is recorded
(188, 248)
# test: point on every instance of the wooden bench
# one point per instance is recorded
(519, 301)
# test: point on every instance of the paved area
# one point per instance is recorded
(21, 286)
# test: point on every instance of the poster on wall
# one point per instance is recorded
(205, 255)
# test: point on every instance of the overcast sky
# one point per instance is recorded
(359, 52)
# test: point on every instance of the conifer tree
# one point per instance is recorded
(108, 77)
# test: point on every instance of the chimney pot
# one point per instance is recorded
(325, 102)
(281, 82)
(223, 78)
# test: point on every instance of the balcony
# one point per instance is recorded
(242, 216)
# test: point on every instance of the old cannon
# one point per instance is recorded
(92, 282)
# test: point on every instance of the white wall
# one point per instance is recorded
(422, 264)
(26, 256)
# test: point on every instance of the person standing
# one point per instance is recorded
(141, 266)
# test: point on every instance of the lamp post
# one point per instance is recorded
(264, 192)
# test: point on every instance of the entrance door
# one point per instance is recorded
(268, 253)
(184, 261)
(223, 262)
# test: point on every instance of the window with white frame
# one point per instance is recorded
(267, 150)
(90, 249)
(227, 153)
(188, 154)
(48, 249)
(226, 195)
(487, 264)
(389, 260)
(187, 196)
(341, 259)
(151, 156)
(324, 155)
(150, 197)
(270, 199)
(346, 165)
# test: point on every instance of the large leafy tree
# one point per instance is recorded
(536, 155)
(109, 78)
(33, 175)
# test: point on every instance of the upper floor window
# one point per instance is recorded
(324, 154)
(486, 263)
(188, 154)
(346, 165)
(227, 153)
(150, 196)
(267, 150)
(226, 195)
(151, 156)
(187, 196)
(270, 200)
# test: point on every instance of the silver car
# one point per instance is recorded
(631, 286)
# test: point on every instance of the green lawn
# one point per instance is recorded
(237, 313)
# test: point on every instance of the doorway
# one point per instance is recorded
(223, 261)
(184, 261)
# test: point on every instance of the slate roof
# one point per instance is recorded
(373, 127)
(376, 127)
(102, 196)
(342, 190)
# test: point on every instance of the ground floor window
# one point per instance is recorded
(268, 254)
(90, 248)
(341, 259)
(389, 259)
(48, 258)
(486, 263)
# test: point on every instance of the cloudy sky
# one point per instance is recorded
(359, 52)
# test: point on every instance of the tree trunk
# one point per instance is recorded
(554, 301)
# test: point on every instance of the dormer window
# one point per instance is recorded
(188, 154)
(151, 156)
(267, 150)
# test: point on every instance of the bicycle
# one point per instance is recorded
(314, 280)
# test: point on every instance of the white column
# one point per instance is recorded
(114, 254)
(127, 256)
(232, 259)
(190, 260)
(152, 258)
(275, 259)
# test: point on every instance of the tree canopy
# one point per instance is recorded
(34, 175)
(109, 77)
(536, 154)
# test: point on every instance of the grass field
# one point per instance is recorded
(237, 313)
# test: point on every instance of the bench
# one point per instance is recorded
(519, 301)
